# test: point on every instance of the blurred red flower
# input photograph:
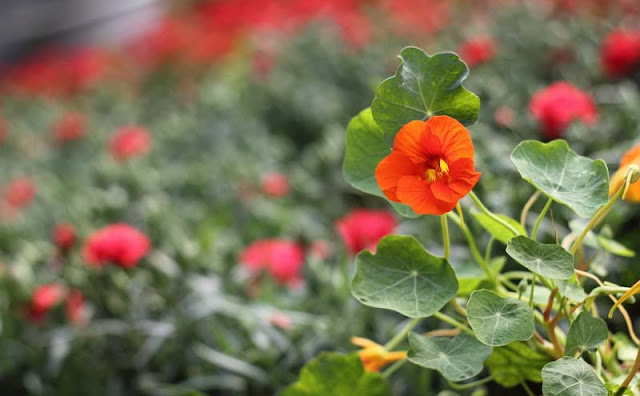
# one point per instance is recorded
(4, 131)
(320, 249)
(620, 52)
(130, 141)
(275, 185)
(280, 258)
(118, 244)
(75, 308)
(44, 298)
(64, 236)
(477, 50)
(504, 116)
(363, 228)
(559, 104)
(19, 193)
(69, 127)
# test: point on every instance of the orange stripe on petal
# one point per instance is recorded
(417, 194)
(390, 170)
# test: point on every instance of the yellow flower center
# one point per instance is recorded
(439, 169)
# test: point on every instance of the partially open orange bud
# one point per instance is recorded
(630, 159)
(374, 356)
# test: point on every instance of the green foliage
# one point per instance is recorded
(497, 229)
(515, 363)
(457, 359)
(498, 321)
(585, 333)
(402, 276)
(553, 168)
(337, 374)
(571, 377)
(550, 261)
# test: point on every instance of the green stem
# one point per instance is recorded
(540, 217)
(527, 207)
(487, 252)
(533, 286)
(448, 319)
(398, 338)
(634, 369)
(472, 246)
(600, 214)
(527, 389)
(489, 213)
(393, 368)
(470, 385)
(445, 237)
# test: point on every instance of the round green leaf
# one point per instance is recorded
(571, 377)
(548, 260)
(339, 375)
(515, 363)
(495, 228)
(553, 168)
(365, 148)
(457, 359)
(586, 332)
(402, 276)
(424, 86)
(498, 321)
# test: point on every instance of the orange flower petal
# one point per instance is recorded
(413, 139)
(390, 170)
(631, 156)
(417, 194)
(462, 178)
(456, 140)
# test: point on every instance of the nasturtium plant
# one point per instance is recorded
(571, 377)
(404, 277)
(548, 260)
(585, 333)
(457, 359)
(513, 364)
(553, 168)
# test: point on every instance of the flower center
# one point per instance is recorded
(437, 170)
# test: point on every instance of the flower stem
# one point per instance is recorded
(448, 319)
(534, 232)
(489, 213)
(445, 237)
(634, 369)
(472, 246)
(470, 385)
(527, 207)
(398, 338)
(393, 368)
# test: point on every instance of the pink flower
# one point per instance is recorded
(130, 141)
(320, 249)
(275, 185)
(280, 258)
(477, 50)
(620, 52)
(556, 106)
(363, 228)
(119, 244)
(69, 127)
(75, 308)
(64, 236)
(43, 299)
(504, 116)
(19, 193)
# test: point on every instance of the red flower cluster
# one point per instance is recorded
(48, 296)
(69, 127)
(363, 228)
(64, 236)
(275, 185)
(556, 106)
(19, 193)
(280, 258)
(118, 244)
(129, 141)
(621, 52)
(477, 50)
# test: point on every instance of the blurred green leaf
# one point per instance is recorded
(496, 229)
(547, 260)
(515, 363)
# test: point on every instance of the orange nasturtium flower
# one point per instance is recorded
(374, 356)
(430, 167)
(631, 157)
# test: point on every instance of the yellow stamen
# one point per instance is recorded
(432, 175)
(443, 166)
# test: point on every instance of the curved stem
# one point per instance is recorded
(445, 237)
(448, 319)
(540, 217)
(489, 213)
(393, 368)
(527, 207)
(599, 215)
(398, 338)
(634, 369)
(472, 246)
(470, 385)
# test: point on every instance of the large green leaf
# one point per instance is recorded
(498, 321)
(586, 332)
(404, 277)
(424, 86)
(495, 228)
(365, 148)
(548, 260)
(457, 359)
(515, 363)
(571, 377)
(553, 168)
(339, 375)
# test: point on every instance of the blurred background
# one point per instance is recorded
(173, 216)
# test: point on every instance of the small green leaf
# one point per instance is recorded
(515, 363)
(457, 359)
(424, 86)
(339, 375)
(496, 229)
(498, 321)
(553, 168)
(402, 276)
(615, 247)
(571, 377)
(586, 332)
(570, 289)
(365, 148)
(548, 260)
